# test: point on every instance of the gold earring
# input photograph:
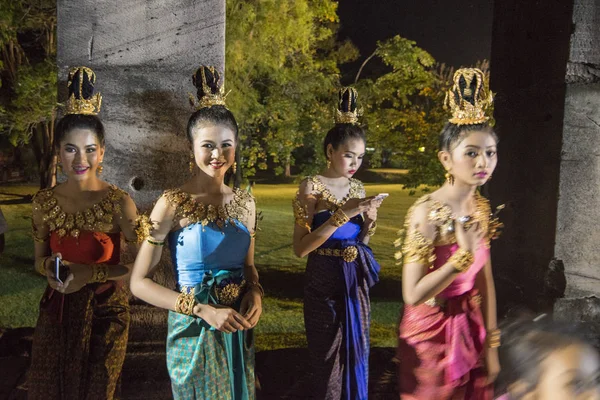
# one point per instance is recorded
(449, 178)
(192, 161)
(234, 167)
(490, 178)
(100, 168)
(59, 166)
(328, 164)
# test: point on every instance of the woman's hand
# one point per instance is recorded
(251, 307)
(353, 207)
(468, 239)
(49, 263)
(371, 213)
(222, 318)
(492, 365)
(79, 276)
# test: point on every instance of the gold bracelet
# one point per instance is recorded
(339, 218)
(372, 229)
(461, 260)
(40, 266)
(257, 285)
(155, 242)
(185, 303)
(493, 338)
(99, 273)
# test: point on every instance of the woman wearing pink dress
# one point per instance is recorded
(448, 336)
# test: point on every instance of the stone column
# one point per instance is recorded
(577, 235)
(530, 50)
(144, 53)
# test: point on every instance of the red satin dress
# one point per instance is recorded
(80, 338)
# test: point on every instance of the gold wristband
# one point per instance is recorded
(372, 229)
(185, 303)
(99, 273)
(339, 218)
(461, 260)
(40, 266)
(258, 286)
(155, 242)
(493, 338)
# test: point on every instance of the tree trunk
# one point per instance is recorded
(288, 168)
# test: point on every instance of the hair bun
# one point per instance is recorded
(347, 112)
(209, 89)
(82, 99)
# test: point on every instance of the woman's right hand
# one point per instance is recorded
(468, 239)
(353, 207)
(49, 268)
(222, 318)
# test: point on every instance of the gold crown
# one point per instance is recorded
(79, 104)
(208, 98)
(469, 97)
(350, 116)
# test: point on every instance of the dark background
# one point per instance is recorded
(458, 32)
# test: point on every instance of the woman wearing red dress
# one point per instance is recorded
(81, 334)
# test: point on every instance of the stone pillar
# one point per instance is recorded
(577, 236)
(144, 53)
(530, 50)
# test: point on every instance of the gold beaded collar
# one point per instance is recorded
(197, 212)
(331, 202)
(97, 218)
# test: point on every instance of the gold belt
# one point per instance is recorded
(439, 302)
(349, 253)
(226, 295)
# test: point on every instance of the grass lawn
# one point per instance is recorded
(282, 323)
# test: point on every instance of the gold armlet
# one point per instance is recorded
(40, 266)
(414, 248)
(372, 229)
(99, 273)
(185, 303)
(339, 218)
(301, 214)
(36, 237)
(493, 338)
(461, 260)
(256, 285)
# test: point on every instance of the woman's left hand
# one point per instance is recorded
(492, 364)
(79, 276)
(251, 307)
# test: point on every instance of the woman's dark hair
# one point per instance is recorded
(526, 343)
(451, 133)
(81, 88)
(206, 80)
(343, 131)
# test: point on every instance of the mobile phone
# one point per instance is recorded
(381, 196)
(60, 271)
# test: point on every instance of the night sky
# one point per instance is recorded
(457, 32)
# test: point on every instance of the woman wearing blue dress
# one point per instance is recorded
(209, 228)
(334, 222)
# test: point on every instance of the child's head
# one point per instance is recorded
(544, 360)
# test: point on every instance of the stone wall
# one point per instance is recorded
(144, 53)
(530, 50)
(577, 235)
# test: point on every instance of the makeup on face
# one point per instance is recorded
(80, 153)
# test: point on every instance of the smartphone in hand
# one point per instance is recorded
(60, 270)
(381, 196)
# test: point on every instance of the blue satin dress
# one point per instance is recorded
(204, 363)
(337, 312)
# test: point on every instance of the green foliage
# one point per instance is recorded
(282, 69)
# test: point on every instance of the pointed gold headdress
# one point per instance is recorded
(469, 97)
(82, 99)
(210, 91)
(346, 111)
